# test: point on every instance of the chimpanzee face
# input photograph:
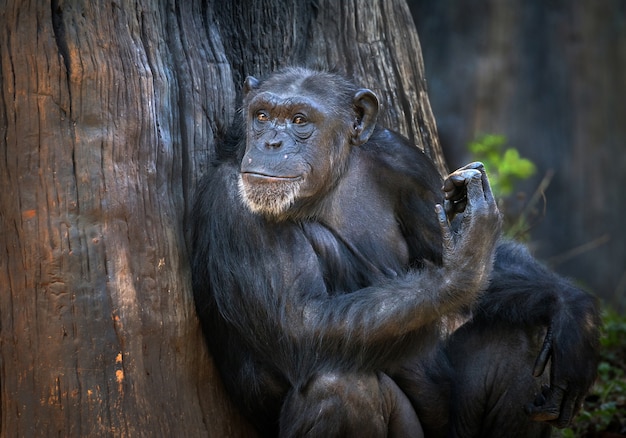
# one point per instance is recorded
(293, 142)
(300, 130)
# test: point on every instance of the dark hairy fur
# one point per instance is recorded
(330, 317)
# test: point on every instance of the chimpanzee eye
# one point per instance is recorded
(262, 116)
(299, 119)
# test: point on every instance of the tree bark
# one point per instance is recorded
(109, 113)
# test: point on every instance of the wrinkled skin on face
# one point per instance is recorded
(298, 140)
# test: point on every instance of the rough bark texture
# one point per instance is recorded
(551, 77)
(109, 113)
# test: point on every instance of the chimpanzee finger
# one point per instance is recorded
(547, 407)
(476, 165)
(455, 187)
(458, 195)
(544, 354)
(473, 165)
(452, 208)
(486, 185)
(456, 178)
(446, 234)
(544, 412)
(448, 184)
(475, 194)
(569, 407)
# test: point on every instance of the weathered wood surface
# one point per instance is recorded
(109, 112)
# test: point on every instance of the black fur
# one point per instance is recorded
(321, 309)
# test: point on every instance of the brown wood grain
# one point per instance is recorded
(109, 113)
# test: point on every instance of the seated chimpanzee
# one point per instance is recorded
(342, 292)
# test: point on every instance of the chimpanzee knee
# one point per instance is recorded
(334, 404)
(339, 404)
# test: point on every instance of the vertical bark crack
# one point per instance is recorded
(58, 27)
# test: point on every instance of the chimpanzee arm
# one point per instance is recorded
(374, 317)
(522, 292)
(265, 281)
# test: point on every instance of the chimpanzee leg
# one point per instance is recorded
(403, 420)
(348, 404)
(493, 381)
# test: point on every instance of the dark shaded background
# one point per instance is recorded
(551, 77)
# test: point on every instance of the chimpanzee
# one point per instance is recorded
(343, 292)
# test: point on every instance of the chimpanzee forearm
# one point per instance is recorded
(294, 304)
(382, 319)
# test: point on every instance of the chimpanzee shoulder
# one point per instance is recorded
(412, 179)
(403, 158)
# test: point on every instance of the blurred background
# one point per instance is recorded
(547, 78)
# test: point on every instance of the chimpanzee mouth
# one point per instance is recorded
(254, 177)
(267, 194)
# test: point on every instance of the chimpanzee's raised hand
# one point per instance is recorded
(469, 247)
(455, 188)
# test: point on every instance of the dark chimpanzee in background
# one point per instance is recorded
(327, 276)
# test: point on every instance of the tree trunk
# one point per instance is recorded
(109, 113)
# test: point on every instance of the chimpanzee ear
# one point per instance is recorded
(366, 106)
(251, 83)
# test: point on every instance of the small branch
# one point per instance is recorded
(578, 250)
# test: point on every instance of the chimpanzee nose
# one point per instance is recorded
(273, 144)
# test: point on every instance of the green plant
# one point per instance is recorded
(505, 168)
(504, 164)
